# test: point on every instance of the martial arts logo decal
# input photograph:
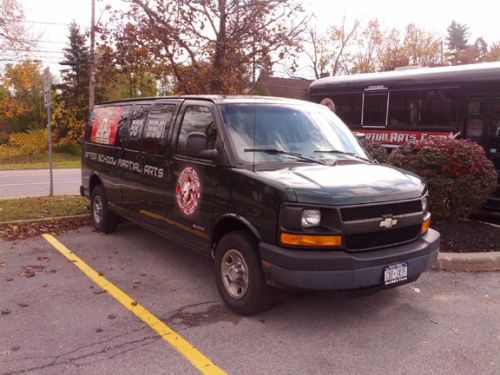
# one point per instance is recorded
(188, 191)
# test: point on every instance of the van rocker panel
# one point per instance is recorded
(339, 269)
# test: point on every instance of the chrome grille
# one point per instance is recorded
(364, 241)
(379, 211)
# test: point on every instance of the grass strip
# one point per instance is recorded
(42, 207)
(41, 161)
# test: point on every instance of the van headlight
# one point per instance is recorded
(311, 218)
(425, 203)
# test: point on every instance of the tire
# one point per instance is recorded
(103, 219)
(238, 274)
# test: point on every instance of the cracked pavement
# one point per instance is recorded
(55, 320)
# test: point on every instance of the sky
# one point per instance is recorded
(50, 18)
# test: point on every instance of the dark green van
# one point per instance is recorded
(278, 192)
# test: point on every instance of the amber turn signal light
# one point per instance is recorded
(310, 240)
(426, 224)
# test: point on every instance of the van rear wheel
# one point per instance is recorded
(239, 275)
(103, 219)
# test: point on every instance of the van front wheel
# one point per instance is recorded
(239, 275)
(103, 219)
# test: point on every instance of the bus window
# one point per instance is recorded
(421, 109)
(348, 108)
(404, 109)
(474, 122)
(437, 109)
(495, 126)
(375, 109)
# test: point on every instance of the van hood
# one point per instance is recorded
(347, 184)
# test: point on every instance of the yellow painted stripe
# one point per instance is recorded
(197, 359)
(174, 223)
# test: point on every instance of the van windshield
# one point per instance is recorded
(270, 132)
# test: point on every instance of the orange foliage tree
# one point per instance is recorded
(23, 101)
(214, 46)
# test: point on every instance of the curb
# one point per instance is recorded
(468, 262)
(55, 218)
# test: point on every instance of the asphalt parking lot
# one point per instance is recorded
(56, 320)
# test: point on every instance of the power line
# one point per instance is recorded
(41, 41)
(32, 50)
(42, 22)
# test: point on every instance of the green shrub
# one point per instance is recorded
(30, 142)
(70, 149)
(459, 176)
(25, 143)
(376, 150)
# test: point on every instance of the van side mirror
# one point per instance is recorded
(196, 146)
(360, 136)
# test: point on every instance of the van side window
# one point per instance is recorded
(122, 123)
(156, 129)
(132, 135)
(104, 124)
(197, 118)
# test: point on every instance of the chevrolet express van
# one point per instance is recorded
(278, 192)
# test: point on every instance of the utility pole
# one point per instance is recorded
(92, 62)
(47, 86)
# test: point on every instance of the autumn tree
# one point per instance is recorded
(215, 46)
(15, 37)
(494, 52)
(21, 103)
(124, 67)
(391, 53)
(318, 53)
(382, 50)
(481, 50)
(369, 42)
(421, 47)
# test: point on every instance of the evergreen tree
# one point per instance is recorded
(458, 35)
(76, 77)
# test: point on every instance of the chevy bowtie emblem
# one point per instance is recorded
(388, 222)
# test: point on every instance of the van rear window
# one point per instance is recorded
(105, 121)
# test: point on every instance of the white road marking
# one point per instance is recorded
(40, 183)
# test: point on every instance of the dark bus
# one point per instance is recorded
(415, 103)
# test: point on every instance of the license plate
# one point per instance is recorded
(395, 273)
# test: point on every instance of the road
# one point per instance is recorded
(36, 182)
(59, 321)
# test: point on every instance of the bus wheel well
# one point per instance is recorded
(226, 226)
(94, 181)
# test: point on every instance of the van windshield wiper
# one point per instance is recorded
(342, 153)
(275, 151)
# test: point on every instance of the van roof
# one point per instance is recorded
(218, 99)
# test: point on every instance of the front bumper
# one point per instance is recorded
(339, 269)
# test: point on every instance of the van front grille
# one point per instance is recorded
(378, 211)
(365, 241)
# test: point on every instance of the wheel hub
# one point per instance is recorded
(234, 272)
(97, 209)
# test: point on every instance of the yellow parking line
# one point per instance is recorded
(197, 359)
